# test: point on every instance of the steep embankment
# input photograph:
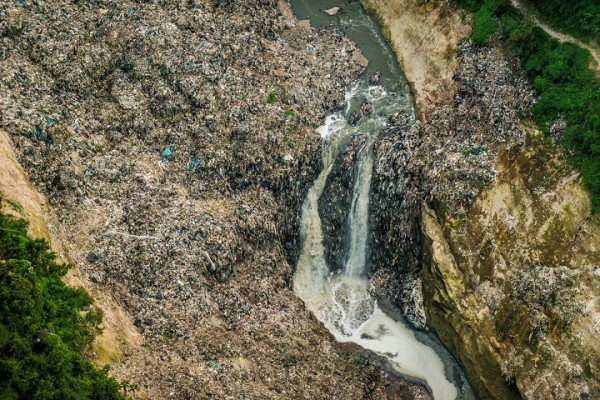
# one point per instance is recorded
(424, 37)
(512, 284)
(23, 200)
(509, 246)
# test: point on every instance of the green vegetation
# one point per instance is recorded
(484, 24)
(271, 98)
(14, 205)
(44, 325)
(560, 73)
(579, 18)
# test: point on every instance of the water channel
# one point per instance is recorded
(341, 300)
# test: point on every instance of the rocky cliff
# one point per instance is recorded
(508, 252)
(512, 285)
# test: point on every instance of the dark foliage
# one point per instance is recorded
(580, 18)
(44, 325)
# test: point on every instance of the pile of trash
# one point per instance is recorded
(444, 161)
(175, 140)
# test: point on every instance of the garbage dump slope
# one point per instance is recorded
(482, 212)
(175, 143)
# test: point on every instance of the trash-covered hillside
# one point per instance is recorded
(175, 141)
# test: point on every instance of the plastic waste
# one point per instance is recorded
(194, 163)
(167, 152)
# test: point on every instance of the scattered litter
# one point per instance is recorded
(188, 76)
(93, 257)
(194, 163)
(445, 160)
(167, 152)
(332, 11)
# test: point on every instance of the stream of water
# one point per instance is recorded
(342, 301)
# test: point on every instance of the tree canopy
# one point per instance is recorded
(44, 325)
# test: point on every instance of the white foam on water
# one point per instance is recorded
(342, 301)
(347, 310)
(333, 123)
(408, 356)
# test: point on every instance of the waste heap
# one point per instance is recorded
(444, 161)
(175, 140)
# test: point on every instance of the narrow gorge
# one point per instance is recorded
(337, 291)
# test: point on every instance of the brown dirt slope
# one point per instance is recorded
(424, 36)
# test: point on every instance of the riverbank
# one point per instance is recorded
(424, 37)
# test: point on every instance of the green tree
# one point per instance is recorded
(44, 325)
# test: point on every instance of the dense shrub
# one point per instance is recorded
(560, 73)
(484, 24)
(580, 18)
(44, 325)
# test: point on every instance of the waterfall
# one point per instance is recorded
(359, 214)
(342, 301)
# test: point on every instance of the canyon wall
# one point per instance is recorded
(511, 285)
(508, 258)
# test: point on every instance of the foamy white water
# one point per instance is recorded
(342, 301)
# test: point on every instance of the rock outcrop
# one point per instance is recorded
(519, 268)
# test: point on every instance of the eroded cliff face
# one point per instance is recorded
(508, 254)
(423, 35)
(512, 285)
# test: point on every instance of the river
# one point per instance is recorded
(342, 300)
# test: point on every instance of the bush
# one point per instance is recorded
(43, 325)
(484, 24)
